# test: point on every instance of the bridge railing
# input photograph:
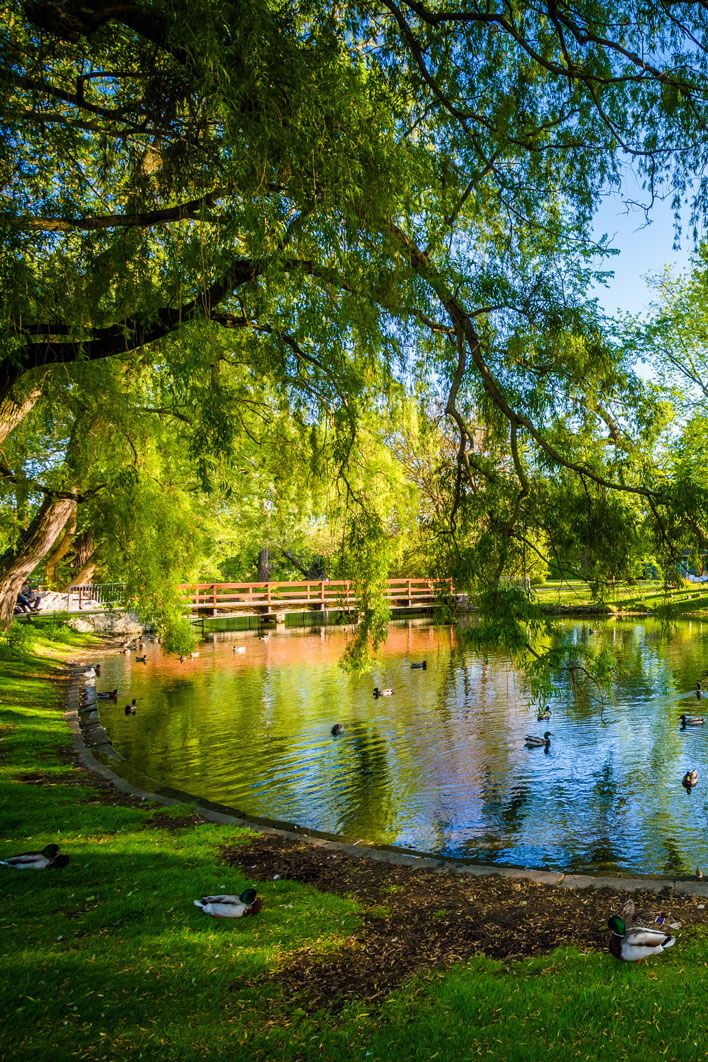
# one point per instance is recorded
(316, 594)
(95, 595)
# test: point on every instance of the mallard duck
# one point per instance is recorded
(699, 691)
(50, 856)
(108, 695)
(228, 906)
(130, 708)
(636, 943)
(689, 780)
(692, 720)
(421, 666)
(141, 660)
(543, 713)
(239, 648)
(92, 671)
(537, 742)
(337, 729)
(627, 912)
(383, 693)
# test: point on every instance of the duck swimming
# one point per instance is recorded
(543, 713)
(108, 695)
(537, 742)
(689, 780)
(229, 906)
(49, 856)
(130, 708)
(141, 660)
(692, 720)
(420, 667)
(636, 943)
(383, 693)
(337, 729)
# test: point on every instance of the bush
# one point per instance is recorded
(17, 641)
(56, 629)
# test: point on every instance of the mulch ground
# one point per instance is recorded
(416, 919)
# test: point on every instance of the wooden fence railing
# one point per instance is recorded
(323, 594)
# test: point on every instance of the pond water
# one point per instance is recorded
(440, 766)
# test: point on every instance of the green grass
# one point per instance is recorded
(647, 596)
(109, 959)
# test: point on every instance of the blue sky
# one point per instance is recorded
(643, 249)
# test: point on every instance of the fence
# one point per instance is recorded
(95, 595)
(323, 594)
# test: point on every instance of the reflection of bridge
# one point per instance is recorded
(333, 595)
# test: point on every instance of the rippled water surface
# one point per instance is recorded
(441, 765)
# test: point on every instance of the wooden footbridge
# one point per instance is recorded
(270, 600)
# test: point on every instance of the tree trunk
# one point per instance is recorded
(60, 550)
(13, 410)
(33, 546)
(263, 575)
(83, 576)
(293, 560)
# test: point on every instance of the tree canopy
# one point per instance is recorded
(289, 213)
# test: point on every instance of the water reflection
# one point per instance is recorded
(441, 766)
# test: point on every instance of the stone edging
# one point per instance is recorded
(396, 857)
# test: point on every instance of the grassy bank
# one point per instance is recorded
(108, 958)
(644, 596)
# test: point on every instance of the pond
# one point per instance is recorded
(440, 766)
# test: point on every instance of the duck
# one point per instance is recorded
(636, 943)
(699, 691)
(422, 666)
(108, 695)
(543, 713)
(49, 856)
(383, 693)
(699, 874)
(537, 742)
(239, 648)
(337, 729)
(627, 912)
(92, 671)
(141, 660)
(689, 780)
(130, 708)
(229, 906)
(692, 720)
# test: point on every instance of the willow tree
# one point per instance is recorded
(358, 191)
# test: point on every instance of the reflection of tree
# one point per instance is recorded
(674, 860)
(368, 783)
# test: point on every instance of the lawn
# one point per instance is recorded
(642, 596)
(108, 958)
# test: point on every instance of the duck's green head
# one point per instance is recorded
(616, 925)
(547, 734)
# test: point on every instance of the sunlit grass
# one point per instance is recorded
(643, 596)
